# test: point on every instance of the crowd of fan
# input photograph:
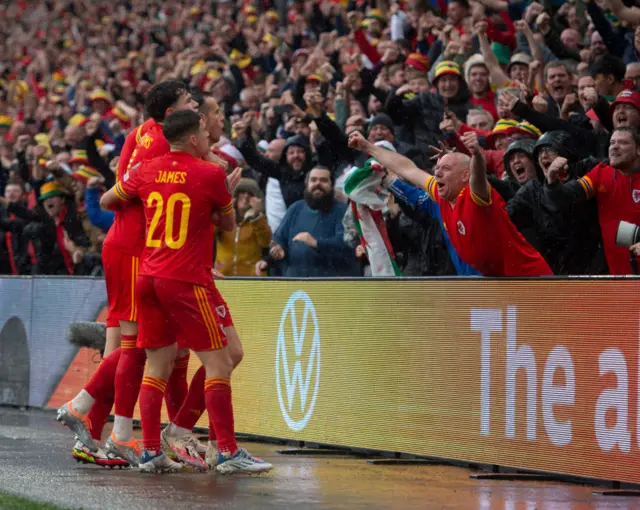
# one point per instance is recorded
(535, 81)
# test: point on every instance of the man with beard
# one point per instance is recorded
(310, 239)
(614, 185)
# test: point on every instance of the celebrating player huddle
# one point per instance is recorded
(159, 279)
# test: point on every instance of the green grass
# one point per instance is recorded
(8, 502)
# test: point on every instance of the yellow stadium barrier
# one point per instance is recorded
(536, 374)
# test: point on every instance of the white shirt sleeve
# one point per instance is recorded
(274, 204)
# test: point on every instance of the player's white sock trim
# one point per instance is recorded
(123, 428)
(83, 402)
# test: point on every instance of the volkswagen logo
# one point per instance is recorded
(298, 342)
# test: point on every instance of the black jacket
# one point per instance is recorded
(570, 243)
(291, 182)
(587, 142)
(19, 244)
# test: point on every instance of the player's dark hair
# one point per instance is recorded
(635, 134)
(198, 96)
(163, 96)
(609, 65)
(181, 124)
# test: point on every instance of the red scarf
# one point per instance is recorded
(60, 236)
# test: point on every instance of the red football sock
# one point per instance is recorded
(98, 415)
(129, 376)
(177, 387)
(194, 405)
(151, 395)
(101, 383)
(212, 430)
(217, 393)
(105, 389)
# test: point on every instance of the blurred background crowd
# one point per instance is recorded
(294, 78)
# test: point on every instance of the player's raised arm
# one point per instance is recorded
(478, 181)
(392, 161)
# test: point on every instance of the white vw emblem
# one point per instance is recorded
(292, 333)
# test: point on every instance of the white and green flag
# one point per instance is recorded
(368, 199)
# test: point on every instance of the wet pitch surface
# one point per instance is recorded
(36, 463)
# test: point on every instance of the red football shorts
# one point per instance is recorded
(173, 311)
(120, 274)
(221, 308)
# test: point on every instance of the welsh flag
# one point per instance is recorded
(363, 187)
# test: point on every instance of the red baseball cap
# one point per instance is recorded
(626, 96)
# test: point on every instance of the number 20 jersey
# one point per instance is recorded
(146, 142)
(179, 193)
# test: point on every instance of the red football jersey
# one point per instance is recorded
(180, 193)
(127, 231)
(484, 236)
(618, 196)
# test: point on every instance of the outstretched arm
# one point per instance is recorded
(478, 181)
(392, 161)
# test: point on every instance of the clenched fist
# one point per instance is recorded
(560, 166)
(358, 142)
(540, 104)
(470, 140)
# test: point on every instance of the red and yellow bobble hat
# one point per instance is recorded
(418, 61)
(251, 14)
(501, 128)
(525, 128)
(273, 16)
(100, 95)
(271, 39)
(240, 59)
(78, 120)
(447, 67)
(376, 14)
(51, 189)
(58, 76)
(79, 156)
(315, 77)
(6, 121)
(84, 173)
